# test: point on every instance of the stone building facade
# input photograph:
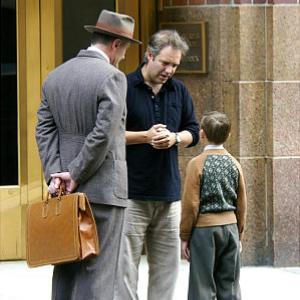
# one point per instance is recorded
(254, 76)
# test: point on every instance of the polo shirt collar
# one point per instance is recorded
(139, 79)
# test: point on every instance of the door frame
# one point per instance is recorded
(38, 52)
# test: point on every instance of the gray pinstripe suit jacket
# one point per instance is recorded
(81, 126)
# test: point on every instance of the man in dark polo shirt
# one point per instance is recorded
(160, 117)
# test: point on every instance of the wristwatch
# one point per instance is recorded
(178, 139)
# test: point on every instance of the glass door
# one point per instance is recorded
(10, 208)
(28, 52)
(8, 102)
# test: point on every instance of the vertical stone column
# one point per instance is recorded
(261, 94)
(283, 128)
(251, 105)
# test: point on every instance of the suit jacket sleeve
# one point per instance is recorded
(47, 139)
(97, 143)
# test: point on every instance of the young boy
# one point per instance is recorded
(213, 215)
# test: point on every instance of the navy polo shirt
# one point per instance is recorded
(153, 174)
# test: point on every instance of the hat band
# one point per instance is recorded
(111, 29)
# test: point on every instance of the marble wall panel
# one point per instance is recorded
(269, 42)
(283, 124)
(252, 119)
(173, 14)
(212, 17)
(252, 43)
(230, 98)
(285, 25)
(200, 91)
(286, 191)
(229, 44)
(256, 250)
(269, 119)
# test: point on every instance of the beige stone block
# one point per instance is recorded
(286, 198)
(200, 91)
(229, 44)
(230, 98)
(252, 119)
(172, 14)
(269, 42)
(206, 93)
(212, 16)
(256, 250)
(252, 43)
(283, 24)
(283, 123)
(269, 119)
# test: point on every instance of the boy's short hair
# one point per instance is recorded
(216, 126)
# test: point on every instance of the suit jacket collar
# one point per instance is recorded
(90, 53)
(94, 48)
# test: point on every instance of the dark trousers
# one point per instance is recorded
(215, 263)
(96, 278)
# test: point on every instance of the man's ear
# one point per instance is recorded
(202, 134)
(150, 55)
(116, 43)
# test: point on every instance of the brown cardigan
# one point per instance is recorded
(190, 216)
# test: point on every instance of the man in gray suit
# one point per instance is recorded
(81, 140)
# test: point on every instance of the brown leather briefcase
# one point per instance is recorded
(61, 229)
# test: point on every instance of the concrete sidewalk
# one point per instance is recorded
(18, 282)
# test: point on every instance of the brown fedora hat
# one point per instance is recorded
(114, 24)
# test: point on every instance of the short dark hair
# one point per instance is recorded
(104, 39)
(216, 126)
(165, 38)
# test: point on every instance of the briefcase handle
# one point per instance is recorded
(61, 192)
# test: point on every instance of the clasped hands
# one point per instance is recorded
(63, 179)
(159, 137)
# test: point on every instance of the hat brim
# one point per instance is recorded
(91, 28)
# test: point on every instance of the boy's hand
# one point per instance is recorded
(241, 247)
(185, 251)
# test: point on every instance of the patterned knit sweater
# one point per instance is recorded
(214, 193)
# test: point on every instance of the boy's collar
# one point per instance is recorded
(213, 147)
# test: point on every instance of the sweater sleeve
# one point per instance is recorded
(241, 211)
(190, 200)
